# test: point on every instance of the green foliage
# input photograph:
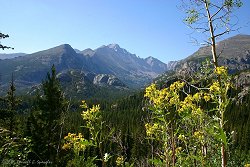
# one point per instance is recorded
(80, 161)
(14, 148)
(46, 121)
(9, 107)
(200, 11)
(192, 17)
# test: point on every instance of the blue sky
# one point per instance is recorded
(144, 27)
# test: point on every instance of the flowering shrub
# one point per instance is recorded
(76, 142)
(189, 126)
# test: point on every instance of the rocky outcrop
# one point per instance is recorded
(107, 80)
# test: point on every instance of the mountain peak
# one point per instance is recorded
(58, 50)
(156, 64)
(117, 48)
(150, 58)
(88, 52)
(113, 46)
(65, 46)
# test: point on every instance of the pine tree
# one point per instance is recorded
(46, 121)
(9, 106)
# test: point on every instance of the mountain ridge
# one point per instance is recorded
(111, 65)
(10, 55)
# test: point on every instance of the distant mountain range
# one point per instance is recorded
(107, 66)
(11, 55)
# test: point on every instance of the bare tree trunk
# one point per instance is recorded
(212, 36)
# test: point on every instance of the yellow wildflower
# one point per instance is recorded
(178, 150)
(221, 70)
(119, 161)
(174, 100)
(181, 137)
(215, 87)
(84, 104)
(176, 86)
(188, 99)
(198, 135)
(197, 111)
(90, 113)
(77, 142)
(206, 97)
(151, 129)
(66, 146)
(197, 96)
(149, 90)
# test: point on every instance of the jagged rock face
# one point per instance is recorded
(243, 79)
(107, 80)
(64, 77)
(171, 65)
(156, 65)
(79, 83)
(76, 76)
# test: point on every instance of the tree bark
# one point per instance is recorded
(212, 36)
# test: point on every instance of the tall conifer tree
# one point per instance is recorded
(9, 106)
(45, 123)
